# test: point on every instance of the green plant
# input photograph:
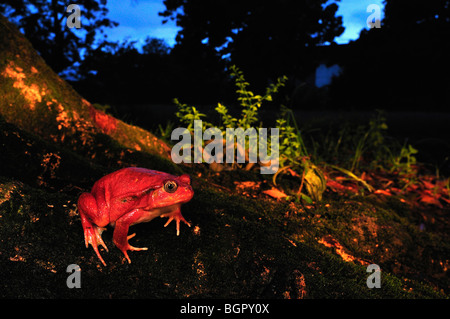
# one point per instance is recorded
(353, 176)
(294, 155)
(293, 152)
(249, 102)
(165, 132)
(227, 119)
(404, 161)
(188, 114)
(292, 147)
(373, 139)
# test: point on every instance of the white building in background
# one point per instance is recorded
(324, 74)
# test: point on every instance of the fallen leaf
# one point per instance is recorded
(428, 184)
(383, 192)
(275, 193)
(431, 200)
(337, 187)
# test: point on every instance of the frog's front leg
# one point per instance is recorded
(120, 236)
(175, 214)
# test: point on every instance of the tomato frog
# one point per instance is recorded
(130, 196)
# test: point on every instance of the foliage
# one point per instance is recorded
(398, 16)
(155, 46)
(292, 150)
(383, 154)
(292, 147)
(404, 161)
(417, 27)
(188, 114)
(294, 155)
(165, 132)
(249, 104)
(119, 74)
(278, 33)
(44, 24)
(372, 139)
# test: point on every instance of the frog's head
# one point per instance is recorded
(173, 191)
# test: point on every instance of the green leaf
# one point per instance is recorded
(306, 198)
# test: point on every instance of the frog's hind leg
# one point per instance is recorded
(87, 208)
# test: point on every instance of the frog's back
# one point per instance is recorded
(130, 181)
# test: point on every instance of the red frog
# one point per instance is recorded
(130, 196)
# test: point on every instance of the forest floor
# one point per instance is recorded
(244, 241)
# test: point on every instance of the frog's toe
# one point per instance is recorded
(93, 236)
(129, 247)
(124, 246)
(136, 248)
(177, 217)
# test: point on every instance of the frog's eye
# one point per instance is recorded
(170, 186)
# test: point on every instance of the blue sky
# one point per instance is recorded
(139, 19)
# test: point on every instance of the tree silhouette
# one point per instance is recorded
(44, 23)
(118, 73)
(264, 38)
(402, 65)
(403, 14)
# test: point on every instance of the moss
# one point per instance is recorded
(238, 247)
